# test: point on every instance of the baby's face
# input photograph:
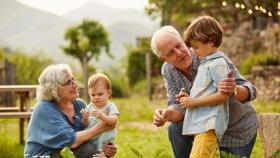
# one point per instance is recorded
(99, 95)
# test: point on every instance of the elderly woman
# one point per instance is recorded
(56, 119)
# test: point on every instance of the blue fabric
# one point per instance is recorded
(49, 128)
(211, 71)
(243, 151)
(181, 144)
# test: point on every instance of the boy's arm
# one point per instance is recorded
(213, 99)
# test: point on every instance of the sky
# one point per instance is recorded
(60, 7)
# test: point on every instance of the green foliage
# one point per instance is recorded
(227, 155)
(120, 87)
(276, 154)
(86, 40)
(136, 63)
(67, 153)
(257, 59)
(141, 86)
(136, 69)
(28, 67)
(178, 12)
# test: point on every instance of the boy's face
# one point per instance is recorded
(202, 49)
(99, 95)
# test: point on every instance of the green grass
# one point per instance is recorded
(137, 137)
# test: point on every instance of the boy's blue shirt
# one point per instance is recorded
(200, 119)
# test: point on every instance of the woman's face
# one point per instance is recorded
(69, 90)
(174, 51)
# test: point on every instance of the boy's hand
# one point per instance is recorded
(182, 93)
(186, 101)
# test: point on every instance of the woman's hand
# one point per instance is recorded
(110, 149)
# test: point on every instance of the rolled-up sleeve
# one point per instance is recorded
(241, 81)
(172, 89)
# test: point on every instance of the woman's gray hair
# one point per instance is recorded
(164, 29)
(50, 80)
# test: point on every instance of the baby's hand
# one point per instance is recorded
(186, 101)
(97, 114)
(85, 114)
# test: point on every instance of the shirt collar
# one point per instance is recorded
(212, 56)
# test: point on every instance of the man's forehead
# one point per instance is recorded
(165, 39)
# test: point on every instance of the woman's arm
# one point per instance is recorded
(85, 135)
(109, 120)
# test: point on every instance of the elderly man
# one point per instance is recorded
(179, 71)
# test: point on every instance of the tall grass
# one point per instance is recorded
(137, 137)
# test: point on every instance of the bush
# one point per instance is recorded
(257, 59)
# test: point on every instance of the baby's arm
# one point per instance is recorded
(108, 119)
(213, 99)
(85, 115)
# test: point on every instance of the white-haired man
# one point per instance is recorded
(179, 71)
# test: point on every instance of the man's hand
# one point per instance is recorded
(228, 85)
(160, 117)
(110, 149)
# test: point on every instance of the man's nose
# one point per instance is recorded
(179, 52)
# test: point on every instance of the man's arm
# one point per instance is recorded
(170, 114)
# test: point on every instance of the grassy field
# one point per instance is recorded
(137, 137)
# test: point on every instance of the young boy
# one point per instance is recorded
(100, 108)
(207, 112)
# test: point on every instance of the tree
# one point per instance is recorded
(86, 41)
(178, 13)
(28, 67)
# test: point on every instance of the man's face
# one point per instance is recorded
(173, 50)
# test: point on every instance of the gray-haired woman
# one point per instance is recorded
(56, 118)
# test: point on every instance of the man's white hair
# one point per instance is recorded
(50, 79)
(164, 29)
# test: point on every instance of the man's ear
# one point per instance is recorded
(161, 58)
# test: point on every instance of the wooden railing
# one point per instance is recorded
(23, 112)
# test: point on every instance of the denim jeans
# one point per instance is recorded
(243, 151)
(182, 144)
(85, 150)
